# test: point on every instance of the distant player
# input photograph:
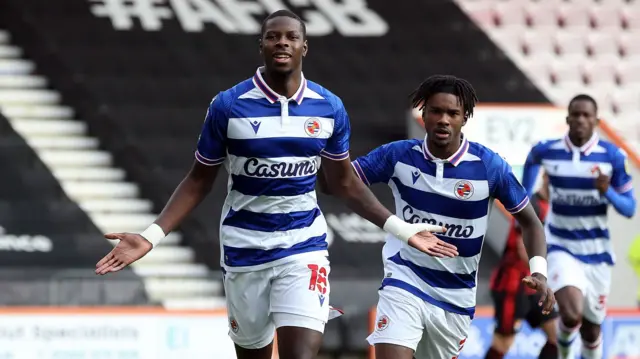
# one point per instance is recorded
(586, 175)
(426, 303)
(513, 300)
(270, 131)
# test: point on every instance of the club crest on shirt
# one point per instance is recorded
(233, 324)
(313, 127)
(463, 189)
(383, 323)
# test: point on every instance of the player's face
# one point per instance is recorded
(582, 119)
(443, 119)
(282, 45)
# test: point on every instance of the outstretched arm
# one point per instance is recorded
(341, 181)
(187, 196)
(190, 192)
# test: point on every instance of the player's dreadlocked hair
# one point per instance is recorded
(284, 13)
(447, 84)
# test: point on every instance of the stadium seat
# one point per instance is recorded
(626, 100)
(606, 17)
(630, 16)
(629, 45)
(628, 73)
(569, 46)
(542, 14)
(603, 46)
(509, 14)
(537, 43)
(599, 77)
(574, 17)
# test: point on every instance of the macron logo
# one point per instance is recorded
(256, 126)
(321, 298)
(415, 175)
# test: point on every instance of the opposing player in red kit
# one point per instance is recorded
(513, 300)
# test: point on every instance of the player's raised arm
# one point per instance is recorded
(619, 188)
(211, 152)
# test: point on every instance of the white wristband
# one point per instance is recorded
(153, 234)
(538, 264)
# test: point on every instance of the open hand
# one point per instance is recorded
(426, 242)
(602, 181)
(538, 282)
(131, 247)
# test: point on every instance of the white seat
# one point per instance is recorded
(7, 51)
(566, 74)
(540, 72)
(629, 42)
(63, 143)
(38, 111)
(537, 43)
(570, 45)
(575, 17)
(599, 73)
(602, 44)
(80, 191)
(22, 81)
(631, 17)
(541, 15)
(16, 67)
(507, 38)
(89, 174)
(175, 270)
(124, 222)
(48, 127)
(509, 13)
(117, 205)
(167, 254)
(628, 73)
(626, 100)
(606, 17)
(71, 158)
(16, 96)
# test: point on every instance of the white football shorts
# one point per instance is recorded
(593, 280)
(293, 294)
(405, 320)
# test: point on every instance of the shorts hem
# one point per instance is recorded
(298, 321)
(255, 345)
(375, 341)
(323, 316)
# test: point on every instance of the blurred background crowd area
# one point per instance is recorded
(101, 103)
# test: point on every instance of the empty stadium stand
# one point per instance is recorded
(566, 47)
(88, 177)
(48, 245)
(142, 88)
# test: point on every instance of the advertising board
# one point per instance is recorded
(113, 333)
(621, 337)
